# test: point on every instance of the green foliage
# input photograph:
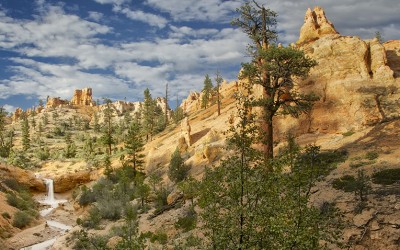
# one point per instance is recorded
(43, 153)
(134, 146)
(70, 147)
(188, 222)
(386, 176)
(178, 115)
(207, 92)
(160, 237)
(345, 183)
(6, 215)
(25, 133)
(21, 219)
(348, 133)
(161, 198)
(360, 185)
(273, 68)
(19, 159)
(250, 202)
(177, 170)
(107, 138)
(189, 187)
(6, 137)
(371, 155)
(148, 118)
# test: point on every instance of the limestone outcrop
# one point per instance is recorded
(392, 48)
(69, 181)
(17, 114)
(83, 97)
(22, 176)
(315, 26)
(186, 130)
(53, 102)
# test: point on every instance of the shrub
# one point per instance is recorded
(371, 155)
(177, 169)
(160, 237)
(387, 176)
(6, 215)
(87, 197)
(161, 198)
(348, 133)
(21, 219)
(359, 164)
(188, 222)
(14, 185)
(345, 183)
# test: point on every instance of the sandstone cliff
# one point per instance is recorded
(53, 102)
(83, 97)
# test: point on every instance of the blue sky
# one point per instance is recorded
(120, 47)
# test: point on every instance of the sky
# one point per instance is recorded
(120, 47)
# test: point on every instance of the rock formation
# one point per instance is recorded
(185, 131)
(22, 176)
(83, 97)
(17, 114)
(392, 48)
(69, 181)
(53, 102)
(315, 26)
(349, 71)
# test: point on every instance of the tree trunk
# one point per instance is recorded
(268, 138)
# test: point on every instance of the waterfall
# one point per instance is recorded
(50, 191)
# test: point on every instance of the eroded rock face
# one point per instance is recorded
(315, 26)
(392, 48)
(69, 181)
(83, 97)
(17, 114)
(53, 102)
(24, 177)
(185, 131)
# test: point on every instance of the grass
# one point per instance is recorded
(386, 176)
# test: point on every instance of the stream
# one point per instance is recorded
(53, 203)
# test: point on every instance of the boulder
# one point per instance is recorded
(392, 48)
(69, 181)
(174, 196)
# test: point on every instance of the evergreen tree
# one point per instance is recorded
(6, 137)
(134, 146)
(107, 137)
(177, 170)
(70, 148)
(148, 116)
(25, 132)
(274, 68)
(246, 206)
(96, 125)
(218, 81)
(207, 92)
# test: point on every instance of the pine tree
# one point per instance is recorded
(6, 137)
(25, 132)
(70, 148)
(244, 205)
(177, 170)
(207, 92)
(96, 125)
(134, 146)
(148, 118)
(274, 69)
(218, 81)
(107, 137)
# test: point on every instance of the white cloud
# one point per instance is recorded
(190, 10)
(95, 16)
(117, 2)
(149, 18)
(9, 108)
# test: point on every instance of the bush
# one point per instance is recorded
(6, 215)
(345, 183)
(177, 169)
(160, 237)
(188, 222)
(87, 197)
(21, 219)
(371, 155)
(14, 185)
(387, 176)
